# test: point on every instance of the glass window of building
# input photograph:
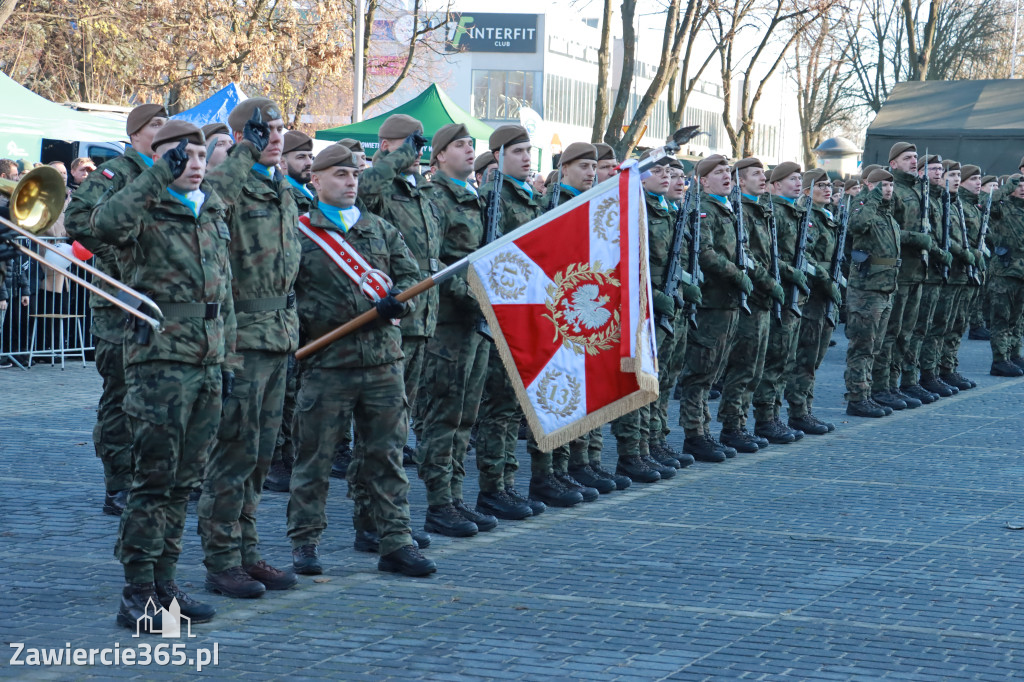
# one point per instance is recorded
(498, 95)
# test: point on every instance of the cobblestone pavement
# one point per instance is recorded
(882, 550)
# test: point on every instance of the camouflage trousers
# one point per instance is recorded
(922, 356)
(112, 434)
(978, 306)
(497, 430)
(375, 397)
(811, 346)
(1006, 313)
(284, 448)
(671, 355)
(249, 427)
(414, 348)
(778, 365)
(949, 352)
(744, 367)
(706, 353)
(586, 450)
(867, 314)
(451, 386)
(906, 308)
(174, 411)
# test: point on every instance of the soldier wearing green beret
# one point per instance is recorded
(296, 161)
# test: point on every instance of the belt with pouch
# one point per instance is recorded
(263, 305)
(430, 265)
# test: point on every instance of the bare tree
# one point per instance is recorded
(6, 8)
(601, 103)
(681, 83)
(919, 51)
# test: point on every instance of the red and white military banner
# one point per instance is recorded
(568, 299)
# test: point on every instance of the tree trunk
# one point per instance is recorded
(601, 105)
(613, 133)
(6, 8)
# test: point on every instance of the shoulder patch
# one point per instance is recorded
(108, 174)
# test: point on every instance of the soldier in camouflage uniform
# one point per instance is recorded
(815, 328)
(172, 241)
(919, 363)
(296, 161)
(875, 261)
(112, 434)
(265, 261)
(717, 316)
(360, 374)
(785, 183)
(218, 143)
(745, 363)
(979, 306)
(1006, 288)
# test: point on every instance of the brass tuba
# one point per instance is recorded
(36, 201)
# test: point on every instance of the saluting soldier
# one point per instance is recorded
(111, 435)
(169, 226)
(218, 143)
(297, 162)
(360, 374)
(785, 183)
(875, 261)
(265, 261)
(745, 363)
(815, 332)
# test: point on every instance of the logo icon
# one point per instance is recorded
(578, 306)
(169, 619)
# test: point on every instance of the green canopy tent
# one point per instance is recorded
(432, 107)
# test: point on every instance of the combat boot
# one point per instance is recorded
(114, 504)
(1005, 369)
(683, 459)
(140, 608)
(666, 472)
(589, 494)
(589, 478)
(552, 492)
(887, 399)
(636, 469)
(524, 430)
(503, 506)
(966, 380)
(797, 433)
(408, 561)
(306, 560)
(279, 478)
(342, 457)
(662, 455)
(1019, 362)
(198, 612)
(771, 431)
(956, 381)
(864, 408)
(762, 443)
(408, 456)
(234, 582)
(741, 441)
(445, 519)
(536, 506)
(930, 382)
(808, 424)
(621, 482)
(703, 449)
(885, 408)
(910, 400)
(369, 541)
(272, 578)
(716, 392)
(728, 450)
(484, 522)
(979, 334)
(917, 391)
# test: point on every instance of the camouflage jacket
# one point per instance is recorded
(518, 206)
(874, 231)
(957, 274)
(175, 258)
(974, 213)
(718, 254)
(264, 251)
(1007, 233)
(788, 218)
(103, 183)
(328, 298)
(906, 209)
(303, 201)
(822, 235)
(660, 234)
(759, 249)
(462, 225)
(386, 192)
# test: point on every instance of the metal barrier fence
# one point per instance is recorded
(54, 325)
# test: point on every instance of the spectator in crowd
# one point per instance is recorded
(14, 287)
(9, 170)
(63, 170)
(80, 169)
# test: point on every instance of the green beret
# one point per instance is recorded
(708, 164)
(399, 127)
(899, 148)
(577, 151)
(813, 176)
(445, 136)
(211, 129)
(605, 152)
(141, 115)
(749, 162)
(950, 165)
(783, 171)
(243, 111)
(866, 170)
(353, 145)
(989, 178)
(294, 141)
(506, 136)
(335, 155)
(969, 171)
(879, 175)
(483, 161)
(175, 130)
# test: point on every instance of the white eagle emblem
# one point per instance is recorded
(587, 309)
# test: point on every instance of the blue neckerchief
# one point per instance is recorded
(465, 185)
(826, 212)
(263, 170)
(724, 201)
(791, 202)
(299, 186)
(192, 203)
(751, 197)
(148, 160)
(571, 190)
(660, 198)
(674, 205)
(522, 184)
(343, 218)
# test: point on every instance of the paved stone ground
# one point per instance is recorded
(879, 551)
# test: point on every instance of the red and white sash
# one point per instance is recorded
(375, 284)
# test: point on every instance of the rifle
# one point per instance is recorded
(493, 217)
(837, 259)
(926, 221)
(773, 233)
(736, 199)
(696, 274)
(556, 191)
(675, 274)
(972, 270)
(946, 218)
(982, 246)
(800, 257)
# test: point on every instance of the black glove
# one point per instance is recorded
(390, 307)
(227, 378)
(417, 141)
(256, 132)
(177, 158)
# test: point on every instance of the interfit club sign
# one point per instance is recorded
(484, 32)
